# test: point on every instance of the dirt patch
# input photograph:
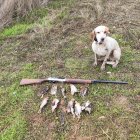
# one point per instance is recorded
(122, 102)
(36, 120)
(40, 126)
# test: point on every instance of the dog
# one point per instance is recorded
(105, 47)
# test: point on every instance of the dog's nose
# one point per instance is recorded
(102, 39)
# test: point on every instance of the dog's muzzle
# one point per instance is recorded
(102, 40)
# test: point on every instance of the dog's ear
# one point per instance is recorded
(93, 35)
(107, 30)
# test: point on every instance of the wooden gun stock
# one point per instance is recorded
(32, 81)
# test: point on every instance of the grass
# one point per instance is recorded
(16, 127)
(15, 30)
(13, 122)
(64, 50)
(35, 15)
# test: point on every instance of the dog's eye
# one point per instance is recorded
(98, 32)
(105, 32)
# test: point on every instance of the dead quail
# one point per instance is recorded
(70, 107)
(43, 92)
(53, 89)
(73, 89)
(43, 103)
(63, 91)
(78, 109)
(54, 104)
(83, 91)
(87, 106)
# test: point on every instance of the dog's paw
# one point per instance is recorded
(102, 67)
(95, 64)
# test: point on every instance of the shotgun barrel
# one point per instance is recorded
(64, 80)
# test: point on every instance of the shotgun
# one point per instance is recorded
(64, 80)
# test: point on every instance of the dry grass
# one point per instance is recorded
(61, 47)
(17, 8)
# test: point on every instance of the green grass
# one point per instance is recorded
(58, 4)
(64, 51)
(13, 122)
(15, 125)
(15, 30)
(35, 15)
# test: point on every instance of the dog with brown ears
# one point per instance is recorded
(105, 47)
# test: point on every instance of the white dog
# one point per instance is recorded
(105, 46)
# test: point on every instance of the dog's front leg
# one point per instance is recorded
(95, 60)
(105, 60)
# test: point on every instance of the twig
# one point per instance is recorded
(105, 133)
